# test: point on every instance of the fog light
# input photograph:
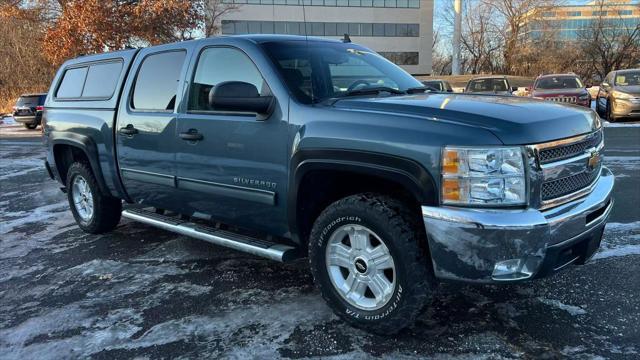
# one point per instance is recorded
(515, 269)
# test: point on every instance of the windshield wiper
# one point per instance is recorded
(373, 91)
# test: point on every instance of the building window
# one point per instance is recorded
(235, 27)
(549, 14)
(414, 4)
(401, 58)
(625, 12)
(599, 13)
(574, 13)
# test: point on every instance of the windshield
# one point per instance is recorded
(559, 82)
(483, 85)
(335, 70)
(631, 78)
(30, 101)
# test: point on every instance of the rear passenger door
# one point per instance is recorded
(237, 171)
(146, 126)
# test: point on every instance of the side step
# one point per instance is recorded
(259, 247)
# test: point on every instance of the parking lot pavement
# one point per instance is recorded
(139, 291)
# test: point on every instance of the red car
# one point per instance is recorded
(564, 88)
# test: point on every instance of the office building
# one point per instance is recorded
(400, 30)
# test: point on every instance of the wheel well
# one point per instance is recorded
(320, 188)
(65, 155)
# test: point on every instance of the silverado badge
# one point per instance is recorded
(594, 160)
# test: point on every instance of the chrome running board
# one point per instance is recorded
(259, 247)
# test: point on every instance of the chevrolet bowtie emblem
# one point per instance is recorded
(594, 160)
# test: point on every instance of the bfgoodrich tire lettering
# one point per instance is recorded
(106, 210)
(402, 234)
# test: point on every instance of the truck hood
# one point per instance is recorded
(514, 120)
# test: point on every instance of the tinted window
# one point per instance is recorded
(72, 83)
(217, 65)
(487, 85)
(157, 81)
(102, 80)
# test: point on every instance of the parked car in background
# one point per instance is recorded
(498, 85)
(438, 85)
(563, 88)
(619, 95)
(28, 110)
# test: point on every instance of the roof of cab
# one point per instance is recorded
(263, 38)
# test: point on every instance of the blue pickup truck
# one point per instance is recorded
(287, 147)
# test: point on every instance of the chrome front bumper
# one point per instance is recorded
(482, 245)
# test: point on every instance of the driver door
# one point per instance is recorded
(236, 170)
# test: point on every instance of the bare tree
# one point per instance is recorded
(213, 12)
(606, 44)
(511, 18)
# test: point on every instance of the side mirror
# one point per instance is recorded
(605, 84)
(239, 96)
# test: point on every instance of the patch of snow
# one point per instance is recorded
(571, 309)
(621, 124)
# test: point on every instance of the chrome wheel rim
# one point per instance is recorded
(82, 198)
(360, 267)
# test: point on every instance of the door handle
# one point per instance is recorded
(128, 130)
(191, 135)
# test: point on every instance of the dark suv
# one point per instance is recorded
(28, 110)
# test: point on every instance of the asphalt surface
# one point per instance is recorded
(143, 292)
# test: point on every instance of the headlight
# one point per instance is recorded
(483, 176)
(621, 95)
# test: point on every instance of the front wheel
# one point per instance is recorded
(368, 257)
(93, 211)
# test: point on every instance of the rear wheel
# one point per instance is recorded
(94, 212)
(30, 126)
(368, 258)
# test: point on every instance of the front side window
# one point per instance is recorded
(157, 82)
(315, 71)
(217, 65)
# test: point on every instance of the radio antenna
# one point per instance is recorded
(306, 40)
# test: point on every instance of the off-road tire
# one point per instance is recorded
(404, 236)
(106, 209)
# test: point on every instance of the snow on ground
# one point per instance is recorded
(143, 292)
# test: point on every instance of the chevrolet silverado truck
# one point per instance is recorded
(286, 147)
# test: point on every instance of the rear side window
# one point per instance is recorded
(157, 82)
(96, 81)
(72, 83)
(102, 80)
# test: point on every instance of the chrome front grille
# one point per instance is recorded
(565, 151)
(568, 185)
(566, 169)
(563, 99)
